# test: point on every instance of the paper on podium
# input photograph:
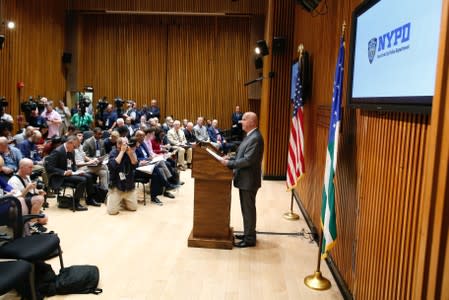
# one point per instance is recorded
(217, 157)
(146, 169)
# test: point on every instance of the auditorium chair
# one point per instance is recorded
(32, 248)
(15, 273)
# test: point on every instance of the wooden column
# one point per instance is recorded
(432, 276)
(275, 104)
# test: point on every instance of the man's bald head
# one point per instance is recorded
(249, 121)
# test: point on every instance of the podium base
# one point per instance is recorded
(199, 242)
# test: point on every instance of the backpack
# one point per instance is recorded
(78, 280)
(100, 193)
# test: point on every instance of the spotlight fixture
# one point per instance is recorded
(10, 25)
(262, 47)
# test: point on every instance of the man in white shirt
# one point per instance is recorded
(53, 119)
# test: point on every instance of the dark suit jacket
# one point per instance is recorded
(247, 164)
(190, 136)
(56, 165)
(89, 147)
(213, 134)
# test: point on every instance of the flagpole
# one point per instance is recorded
(290, 215)
(316, 281)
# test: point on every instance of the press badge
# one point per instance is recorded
(69, 164)
(97, 153)
(122, 176)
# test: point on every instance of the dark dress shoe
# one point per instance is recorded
(156, 200)
(171, 187)
(93, 202)
(239, 236)
(169, 195)
(243, 244)
(180, 182)
(79, 207)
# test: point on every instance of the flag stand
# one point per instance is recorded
(291, 215)
(316, 281)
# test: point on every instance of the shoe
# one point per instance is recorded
(243, 244)
(171, 187)
(37, 228)
(180, 183)
(181, 168)
(156, 200)
(239, 236)
(189, 166)
(92, 202)
(79, 207)
(169, 195)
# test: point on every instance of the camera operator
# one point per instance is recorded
(82, 120)
(102, 105)
(32, 192)
(4, 116)
(109, 118)
(119, 106)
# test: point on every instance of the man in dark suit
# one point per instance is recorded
(247, 166)
(94, 146)
(236, 126)
(60, 165)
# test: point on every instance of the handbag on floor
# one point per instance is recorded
(78, 280)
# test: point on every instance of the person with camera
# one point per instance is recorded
(52, 118)
(31, 191)
(108, 119)
(122, 164)
(82, 120)
(65, 114)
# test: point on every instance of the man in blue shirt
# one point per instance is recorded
(11, 155)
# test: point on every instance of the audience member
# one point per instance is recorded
(53, 119)
(179, 143)
(122, 164)
(32, 195)
(201, 131)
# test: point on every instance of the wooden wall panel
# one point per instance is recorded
(193, 66)
(32, 51)
(241, 6)
(379, 172)
(275, 106)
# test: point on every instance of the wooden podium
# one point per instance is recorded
(212, 201)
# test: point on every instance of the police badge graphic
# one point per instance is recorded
(372, 46)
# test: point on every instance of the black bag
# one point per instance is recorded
(78, 280)
(65, 201)
(100, 194)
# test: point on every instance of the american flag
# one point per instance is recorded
(295, 167)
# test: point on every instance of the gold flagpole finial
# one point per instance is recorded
(343, 28)
(300, 49)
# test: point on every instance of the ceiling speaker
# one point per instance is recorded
(308, 5)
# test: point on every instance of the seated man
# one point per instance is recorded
(200, 130)
(60, 166)
(216, 138)
(178, 140)
(122, 164)
(11, 156)
(91, 168)
(164, 174)
(190, 134)
(28, 148)
(32, 194)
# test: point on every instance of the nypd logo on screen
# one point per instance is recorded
(389, 43)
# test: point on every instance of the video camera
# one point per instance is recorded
(83, 102)
(3, 102)
(102, 104)
(28, 106)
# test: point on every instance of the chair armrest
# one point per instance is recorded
(27, 218)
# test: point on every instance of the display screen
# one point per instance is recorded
(393, 57)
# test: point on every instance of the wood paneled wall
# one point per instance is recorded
(210, 6)
(32, 51)
(275, 109)
(192, 65)
(379, 171)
